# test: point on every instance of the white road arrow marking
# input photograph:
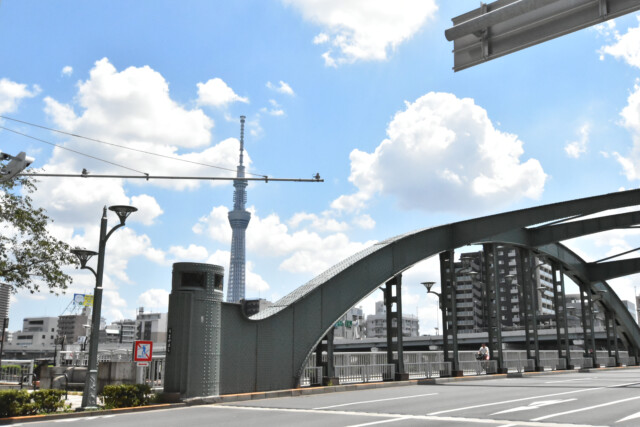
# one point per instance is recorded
(630, 417)
(534, 405)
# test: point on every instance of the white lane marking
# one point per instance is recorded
(378, 422)
(533, 405)
(73, 420)
(630, 417)
(566, 381)
(403, 416)
(529, 398)
(588, 408)
(514, 400)
(373, 401)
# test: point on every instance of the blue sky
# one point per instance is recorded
(360, 91)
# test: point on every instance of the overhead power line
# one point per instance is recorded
(86, 174)
(116, 145)
(73, 151)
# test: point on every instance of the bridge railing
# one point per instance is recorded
(365, 373)
(517, 361)
(427, 369)
(311, 376)
(153, 375)
(13, 371)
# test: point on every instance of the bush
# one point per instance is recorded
(126, 395)
(12, 402)
(48, 401)
(15, 403)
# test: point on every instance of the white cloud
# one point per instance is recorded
(358, 31)
(575, 149)
(282, 88)
(193, 253)
(276, 110)
(11, 93)
(148, 209)
(451, 157)
(625, 47)
(304, 251)
(216, 93)
(67, 70)
(155, 300)
(364, 221)
(320, 223)
(631, 121)
(130, 108)
(255, 284)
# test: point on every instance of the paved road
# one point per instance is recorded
(599, 398)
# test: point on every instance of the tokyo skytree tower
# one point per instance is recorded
(239, 220)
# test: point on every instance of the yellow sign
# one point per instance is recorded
(88, 301)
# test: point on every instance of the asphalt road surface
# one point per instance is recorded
(600, 398)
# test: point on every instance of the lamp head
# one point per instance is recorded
(428, 285)
(83, 255)
(123, 211)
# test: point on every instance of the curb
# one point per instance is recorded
(99, 413)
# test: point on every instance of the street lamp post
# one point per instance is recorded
(89, 396)
(445, 343)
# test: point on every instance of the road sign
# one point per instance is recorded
(142, 351)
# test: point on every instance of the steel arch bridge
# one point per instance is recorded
(269, 350)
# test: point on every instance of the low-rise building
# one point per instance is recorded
(37, 332)
(74, 326)
(376, 326)
(151, 326)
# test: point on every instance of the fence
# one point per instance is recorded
(14, 370)
(153, 375)
(427, 369)
(365, 373)
(517, 361)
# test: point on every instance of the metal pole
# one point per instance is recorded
(524, 309)
(399, 322)
(592, 337)
(5, 322)
(565, 319)
(89, 396)
(534, 309)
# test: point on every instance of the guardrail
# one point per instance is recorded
(427, 369)
(553, 363)
(477, 367)
(518, 362)
(153, 375)
(13, 370)
(365, 373)
(311, 376)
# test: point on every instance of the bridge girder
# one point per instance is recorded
(284, 335)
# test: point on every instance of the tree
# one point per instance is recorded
(30, 257)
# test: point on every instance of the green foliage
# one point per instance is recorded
(48, 401)
(15, 403)
(30, 257)
(11, 368)
(126, 395)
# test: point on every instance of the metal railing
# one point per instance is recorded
(153, 374)
(14, 370)
(553, 363)
(311, 376)
(478, 367)
(517, 361)
(427, 369)
(365, 373)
